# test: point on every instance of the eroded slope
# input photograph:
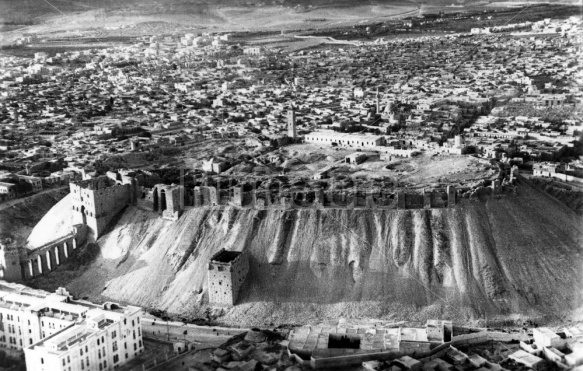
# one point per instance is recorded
(501, 255)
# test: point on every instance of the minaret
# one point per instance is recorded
(378, 103)
(291, 123)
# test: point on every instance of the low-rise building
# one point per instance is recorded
(344, 139)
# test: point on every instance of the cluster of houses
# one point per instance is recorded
(437, 346)
(443, 93)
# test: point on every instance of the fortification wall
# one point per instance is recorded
(209, 196)
(21, 264)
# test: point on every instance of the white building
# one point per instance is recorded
(344, 139)
(100, 340)
(52, 328)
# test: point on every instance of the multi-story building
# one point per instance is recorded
(80, 336)
(101, 340)
(226, 275)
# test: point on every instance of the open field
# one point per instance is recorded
(107, 18)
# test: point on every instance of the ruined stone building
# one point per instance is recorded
(226, 274)
(168, 200)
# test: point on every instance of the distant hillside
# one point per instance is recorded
(508, 256)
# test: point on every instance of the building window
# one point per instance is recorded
(115, 358)
(42, 361)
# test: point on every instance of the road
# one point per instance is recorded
(176, 331)
(10, 203)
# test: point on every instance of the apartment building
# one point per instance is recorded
(102, 340)
(79, 336)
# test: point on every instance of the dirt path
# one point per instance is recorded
(10, 203)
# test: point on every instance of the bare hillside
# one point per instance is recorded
(498, 256)
(18, 217)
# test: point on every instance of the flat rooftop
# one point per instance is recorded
(225, 256)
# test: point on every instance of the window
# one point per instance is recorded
(82, 365)
(114, 346)
(135, 346)
(68, 359)
(125, 345)
(86, 349)
(127, 356)
(113, 334)
(81, 350)
(97, 341)
(115, 358)
(42, 361)
(64, 363)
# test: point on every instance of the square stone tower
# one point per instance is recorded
(226, 274)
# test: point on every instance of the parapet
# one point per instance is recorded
(226, 257)
(101, 182)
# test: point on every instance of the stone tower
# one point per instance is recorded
(10, 268)
(291, 123)
(227, 271)
(97, 201)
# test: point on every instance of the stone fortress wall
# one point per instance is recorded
(239, 196)
(96, 202)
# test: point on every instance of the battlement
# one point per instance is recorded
(94, 184)
(226, 257)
